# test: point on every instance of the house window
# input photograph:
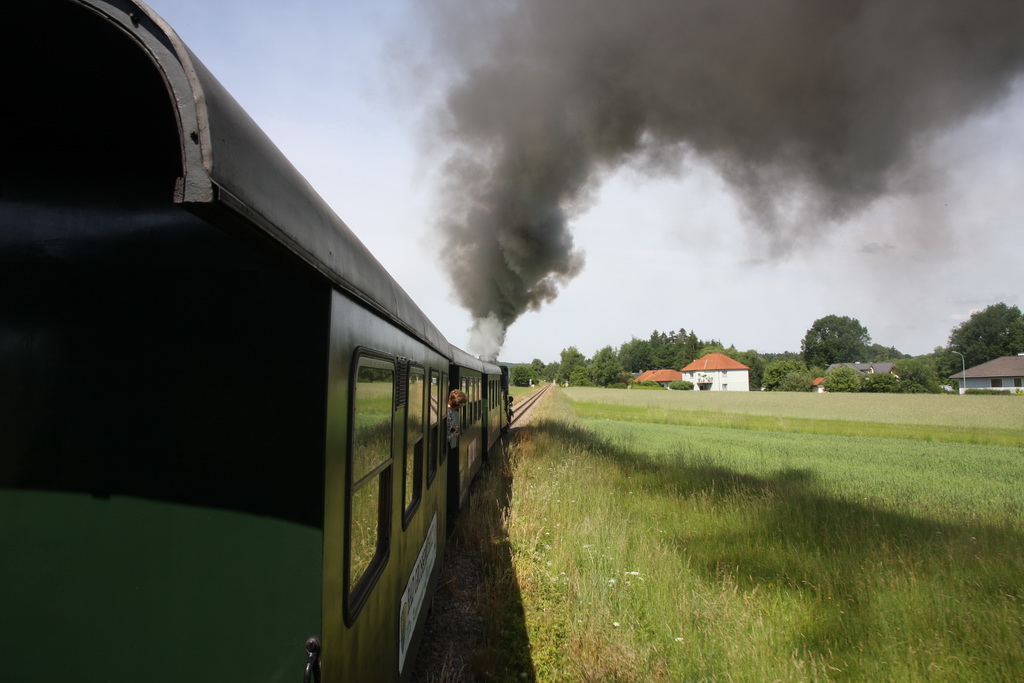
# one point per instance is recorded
(997, 383)
(1017, 381)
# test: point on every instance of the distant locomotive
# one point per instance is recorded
(222, 444)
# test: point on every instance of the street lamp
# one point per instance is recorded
(963, 364)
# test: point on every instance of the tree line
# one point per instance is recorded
(996, 331)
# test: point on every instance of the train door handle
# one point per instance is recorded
(312, 673)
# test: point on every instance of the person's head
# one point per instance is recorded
(456, 398)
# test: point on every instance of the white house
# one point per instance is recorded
(717, 372)
(1003, 374)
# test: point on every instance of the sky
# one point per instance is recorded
(350, 91)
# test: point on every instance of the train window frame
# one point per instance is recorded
(477, 408)
(358, 588)
(412, 446)
(444, 389)
(435, 398)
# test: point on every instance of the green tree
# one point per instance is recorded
(605, 368)
(993, 332)
(785, 355)
(948, 365)
(579, 377)
(714, 347)
(662, 352)
(551, 371)
(876, 353)
(797, 380)
(880, 383)
(635, 355)
(690, 351)
(571, 359)
(843, 379)
(775, 374)
(537, 365)
(521, 375)
(835, 339)
(918, 376)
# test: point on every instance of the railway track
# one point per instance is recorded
(519, 410)
(455, 629)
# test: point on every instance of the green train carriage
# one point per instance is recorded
(221, 420)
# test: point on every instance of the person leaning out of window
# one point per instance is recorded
(455, 400)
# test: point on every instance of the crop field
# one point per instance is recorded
(675, 536)
(972, 412)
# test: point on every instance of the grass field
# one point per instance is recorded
(676, 536)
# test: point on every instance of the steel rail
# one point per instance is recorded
(520, 409)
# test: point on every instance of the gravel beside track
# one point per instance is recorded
(454, 632)
(455, 627)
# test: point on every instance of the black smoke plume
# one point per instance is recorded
(809, 109)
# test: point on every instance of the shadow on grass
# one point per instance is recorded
(505, 654)
(849, 562)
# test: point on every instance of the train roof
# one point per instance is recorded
(232, 174)
(460, 357)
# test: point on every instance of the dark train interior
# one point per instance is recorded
(143, 352)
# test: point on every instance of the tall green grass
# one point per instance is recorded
(636, 551)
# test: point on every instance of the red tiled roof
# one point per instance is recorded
(715, 361)
(660, 376)
(817, 381)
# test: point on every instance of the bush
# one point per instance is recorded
(681, 385)
(991, 392)
(776, 372)
(799, 380)
(843, 379)
(880, 384)
(521, 375)
(917, 376)
(618, 385)
(647, 384)
(580, 378)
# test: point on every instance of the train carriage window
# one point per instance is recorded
(371, 465)
(414, 440)
(478, 412)
(442, 400)
(434, 422)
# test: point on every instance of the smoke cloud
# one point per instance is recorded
(810, 110)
